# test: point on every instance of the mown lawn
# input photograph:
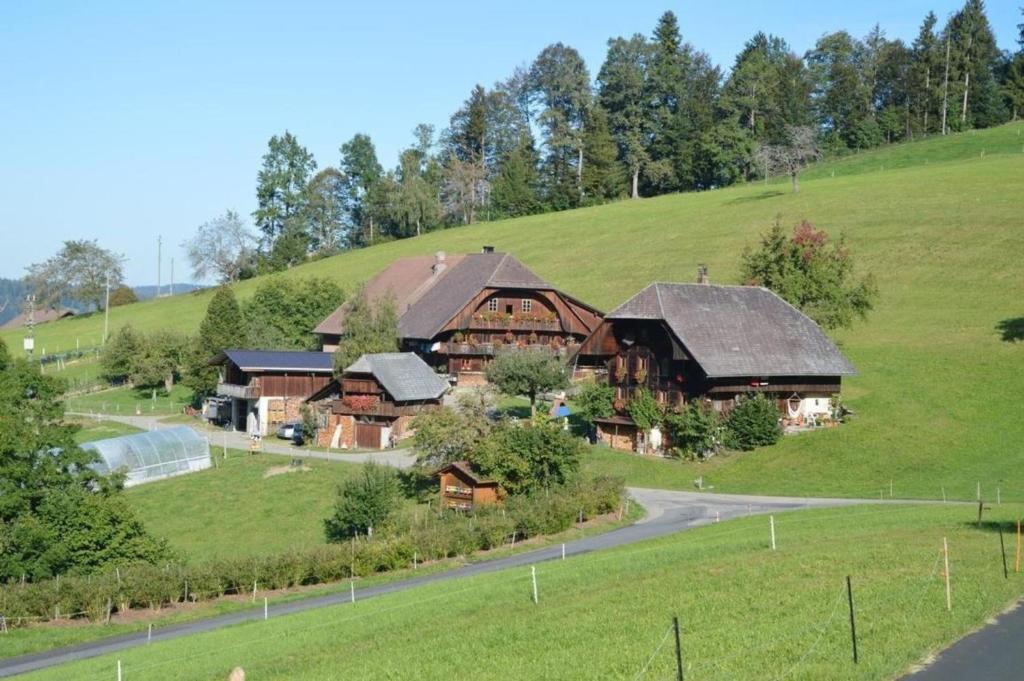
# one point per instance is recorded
(746, 612)
(100, 430)
(128, 401)
(248, 505)
(937, 396)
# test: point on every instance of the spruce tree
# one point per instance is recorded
(514, 189)
(603, 175)
(222, 328)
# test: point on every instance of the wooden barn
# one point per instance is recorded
(463, 489)
(456, 312)
(371, 405)
(267, 387)
(712, 343)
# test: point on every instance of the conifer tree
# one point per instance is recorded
(223, 328)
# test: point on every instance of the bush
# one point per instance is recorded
(143, 585)
(695, 431)
(754, 422)
(363, 503)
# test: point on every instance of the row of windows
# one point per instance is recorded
(525, 305)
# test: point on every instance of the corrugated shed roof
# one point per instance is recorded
(405, 376)
(739, 330)
(279, 360)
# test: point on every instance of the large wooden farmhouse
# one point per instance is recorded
(267, 387)
(458, 311)
(713, 343)
(373, 402)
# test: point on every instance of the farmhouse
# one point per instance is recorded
(50, 314)
(373, 402)
(463, 489)
(457, 311)
(713, 343)
(267, 387)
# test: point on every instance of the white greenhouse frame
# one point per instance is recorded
(151, 456)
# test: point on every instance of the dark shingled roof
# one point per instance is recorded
(405, 376)
(466, 468)
(739, 330)
(458, 285)
(41, 316)
(426, 299)
(278, 360)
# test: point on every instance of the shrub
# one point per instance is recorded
(695, 431)
(644, 409)
(363, 503)
(754, 422)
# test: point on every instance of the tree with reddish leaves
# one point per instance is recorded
(812, 272)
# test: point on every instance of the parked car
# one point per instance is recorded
(292, 430)
(286, 431)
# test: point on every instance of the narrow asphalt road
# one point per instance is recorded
(995, 653)
(668, 512)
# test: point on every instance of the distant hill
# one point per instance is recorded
(13, 291)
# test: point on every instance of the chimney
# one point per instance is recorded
(702, 274)
(488, 249)
(439, 262)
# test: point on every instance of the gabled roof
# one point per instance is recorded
(466, 469)
(40, 317)
(278, 360)
(738, 330)
(405, 376)
(427, 297)
(458, 285)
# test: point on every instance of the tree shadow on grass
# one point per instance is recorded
(1011, 330)
(1009, 527)
(767, 194)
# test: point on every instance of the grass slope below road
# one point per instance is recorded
(746, 612)
(937, 397)
(248, 505)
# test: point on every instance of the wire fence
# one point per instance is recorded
(795, 644)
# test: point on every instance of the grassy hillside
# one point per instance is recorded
(937, 398)
(746, 612)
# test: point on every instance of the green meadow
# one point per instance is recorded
(938, 222)
(745, 611)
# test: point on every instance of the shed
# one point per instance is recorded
(462, 488)
(147, 457)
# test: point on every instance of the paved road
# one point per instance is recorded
(668, 512)
(399, 458)
(995, 653)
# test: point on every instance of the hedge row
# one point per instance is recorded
(433, 537)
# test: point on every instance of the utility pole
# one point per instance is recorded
(30, 324)
(106, 312)
(171, 293)
(945, 88)
(159, 262)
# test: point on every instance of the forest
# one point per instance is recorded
(657, 117)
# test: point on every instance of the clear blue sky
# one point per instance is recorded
(126, 120)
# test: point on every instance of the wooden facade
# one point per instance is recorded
(497, 320)
(461, 489)
(636, 354)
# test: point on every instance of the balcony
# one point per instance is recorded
(242, 392)
(507, 324)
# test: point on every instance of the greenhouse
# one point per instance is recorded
(158, 454)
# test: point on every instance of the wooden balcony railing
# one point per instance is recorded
(242, 392)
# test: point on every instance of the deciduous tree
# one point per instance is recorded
(811, 272)
(81, 270)
(364, 503)
(527, 373)
(222, 247)
(369, 327)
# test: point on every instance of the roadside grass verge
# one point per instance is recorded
(746, 611)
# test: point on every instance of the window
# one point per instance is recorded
(467, 364)
(527, 305)
(492, 305)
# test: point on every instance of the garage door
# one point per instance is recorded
(368, 435)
